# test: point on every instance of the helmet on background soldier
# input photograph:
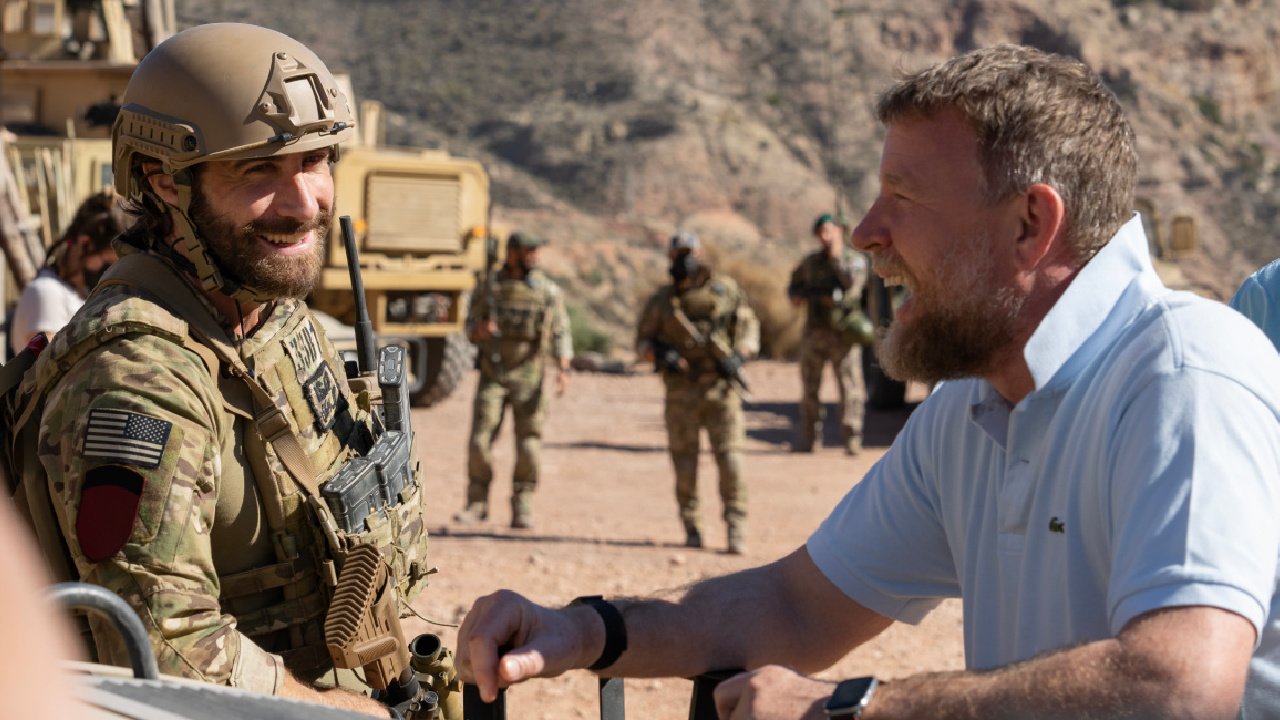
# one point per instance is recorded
(684, 240)
(223, 91)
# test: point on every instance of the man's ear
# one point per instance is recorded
(1043, 217)
(161, 182)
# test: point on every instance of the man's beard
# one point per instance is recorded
(962, 322)
(238, 253)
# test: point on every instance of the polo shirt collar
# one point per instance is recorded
(1088, 301)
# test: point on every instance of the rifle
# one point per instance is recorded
(362, 628)
(728, 363)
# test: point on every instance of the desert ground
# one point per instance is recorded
(607, 523)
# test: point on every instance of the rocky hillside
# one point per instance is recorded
(607, 125)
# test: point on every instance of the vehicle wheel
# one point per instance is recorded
(883, 392)
(449, 359)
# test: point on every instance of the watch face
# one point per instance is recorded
(850, 697)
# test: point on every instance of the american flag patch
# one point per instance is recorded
(125, 437)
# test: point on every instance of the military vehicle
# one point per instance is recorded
(419, 214)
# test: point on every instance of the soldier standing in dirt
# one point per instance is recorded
(698, 389)
(517, 321)
(828, 283)
(193, 406)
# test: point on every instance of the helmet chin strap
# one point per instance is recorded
(211, 278)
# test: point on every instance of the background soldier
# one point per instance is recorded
(697, 376)
(166, 490)
(517, 320)
(829, 283)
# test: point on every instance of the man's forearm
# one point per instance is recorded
(1151, 677)
(783, 613)
(336, 697)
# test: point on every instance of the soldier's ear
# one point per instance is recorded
(161, 183)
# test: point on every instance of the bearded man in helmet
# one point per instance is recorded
(193, 406)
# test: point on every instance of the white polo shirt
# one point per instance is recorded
(1142, 472)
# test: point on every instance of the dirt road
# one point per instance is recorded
(607, 523)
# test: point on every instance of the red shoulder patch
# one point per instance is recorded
(108, 508)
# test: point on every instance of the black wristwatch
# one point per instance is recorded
(851, 698)
(615, 630)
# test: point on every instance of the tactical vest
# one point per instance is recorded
(519, 308)
(822, 282)
(710, 307)
(298, 428)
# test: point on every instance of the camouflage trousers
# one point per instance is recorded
(716, 407)
(817, 349)
(520, 388)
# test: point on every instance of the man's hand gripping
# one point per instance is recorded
(506, 639)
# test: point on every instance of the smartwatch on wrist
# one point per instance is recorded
(851, 698)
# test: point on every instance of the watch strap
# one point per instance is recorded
(615, 630)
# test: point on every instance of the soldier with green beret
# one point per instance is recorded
(828, 285)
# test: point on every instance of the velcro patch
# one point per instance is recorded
(108, 509)
(127, 437)
(324, 397)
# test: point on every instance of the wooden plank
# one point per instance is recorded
(14, 234)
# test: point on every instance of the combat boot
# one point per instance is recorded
(473, 514)
(692, 535)
(853, 445)
(522, 511)
(737, 538)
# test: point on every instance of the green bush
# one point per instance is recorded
(1209, 108)
(586, 336)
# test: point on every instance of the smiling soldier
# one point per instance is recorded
(194, 403)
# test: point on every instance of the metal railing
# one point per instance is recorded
(702, 704)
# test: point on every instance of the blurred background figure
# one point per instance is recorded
(828, 283)
(75, 264)
(698, 331)
(518, 321)
(34, 679)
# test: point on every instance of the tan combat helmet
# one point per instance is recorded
(218, 92)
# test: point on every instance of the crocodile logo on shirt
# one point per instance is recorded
(1057, 526)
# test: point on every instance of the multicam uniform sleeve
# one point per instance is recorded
(648, 325)
(561, 333)
(799, 281)
(478, 309)
(131, 439)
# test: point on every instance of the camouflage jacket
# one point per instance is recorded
(531, 320)
(156, 475)
(716, 307)
(832, 288)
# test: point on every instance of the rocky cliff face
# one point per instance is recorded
(607, 125)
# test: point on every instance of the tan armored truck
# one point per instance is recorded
(419, 215)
